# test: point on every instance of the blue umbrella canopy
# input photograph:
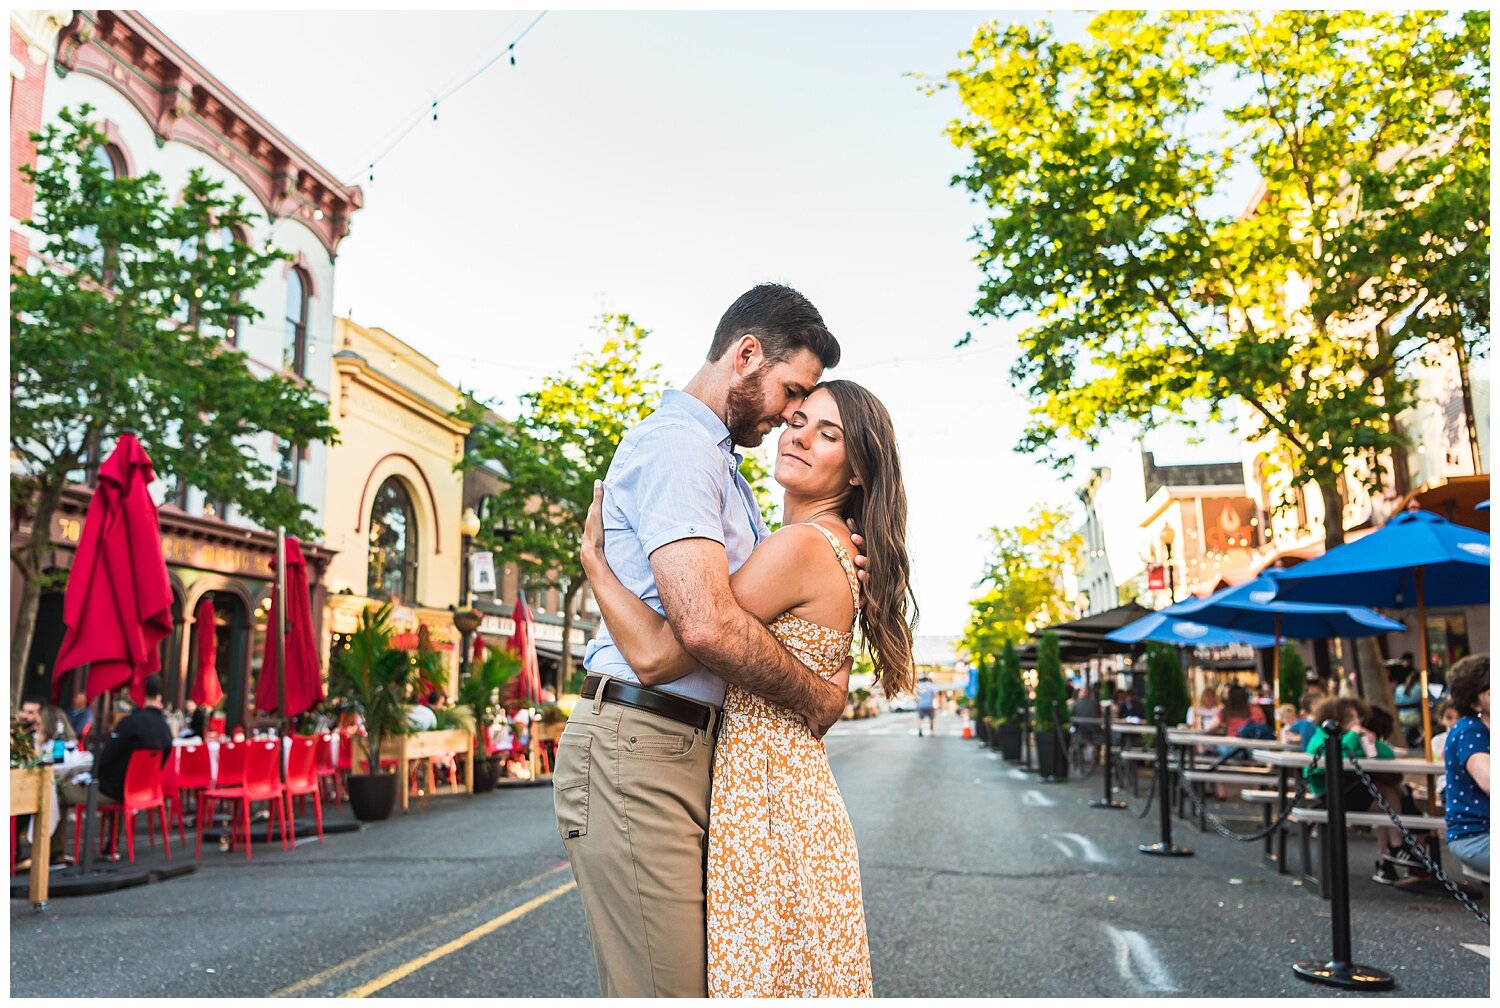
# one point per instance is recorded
(1166, 628)
(1253, 606)
(1383, 569)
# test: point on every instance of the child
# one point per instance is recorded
(1303, 728)
(1447, 716)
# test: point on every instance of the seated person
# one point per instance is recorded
(80, 715)
(1360, 742)
(44, 722)
(1302, 730)
(1445, 717)
(1466, 760)
(421, 718)
(143, 728)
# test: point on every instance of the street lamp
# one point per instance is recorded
(1168, 534)
(466, 619)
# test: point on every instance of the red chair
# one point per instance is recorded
(231, 771)
(195, 771)
(83, 736)
(143, 793)
(302, 777)
(261, 781)
(171, 789)
(323, 766)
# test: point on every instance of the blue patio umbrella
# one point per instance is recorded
(1415, 560)
(1164, 627)
(1483, 505)
(1253, 606)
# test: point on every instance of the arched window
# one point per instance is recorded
(294, 334)
(393, 543)
(186, 311)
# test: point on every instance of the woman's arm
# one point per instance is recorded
(1478, 767)
(646, 639)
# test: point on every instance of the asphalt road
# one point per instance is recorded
(978, 879)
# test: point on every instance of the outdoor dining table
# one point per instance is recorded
(1287, 761)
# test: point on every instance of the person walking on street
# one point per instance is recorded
(634, 764)
(926, 696)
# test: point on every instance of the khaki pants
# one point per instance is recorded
(631, 794)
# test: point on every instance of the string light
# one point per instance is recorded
(509, 50)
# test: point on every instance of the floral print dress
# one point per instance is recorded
(785, 913)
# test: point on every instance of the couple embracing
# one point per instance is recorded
(708, 838)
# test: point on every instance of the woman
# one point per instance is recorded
(785, 914)
(1202, 715)
(1466, 760)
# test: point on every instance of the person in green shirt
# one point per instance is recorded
(1360, 742)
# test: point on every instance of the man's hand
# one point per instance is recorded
(859, 557)
(592, 545)
(841, 680)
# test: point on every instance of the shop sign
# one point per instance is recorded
(481, 572)
(1156, 578)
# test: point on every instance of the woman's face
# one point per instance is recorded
(1208, 698)
(810, 455)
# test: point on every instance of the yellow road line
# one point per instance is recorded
(385, 946)
(427, 958)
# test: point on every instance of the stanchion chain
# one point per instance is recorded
(1146, 809)
(1417, 848)
(1265, 831)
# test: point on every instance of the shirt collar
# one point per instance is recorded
(699, 411)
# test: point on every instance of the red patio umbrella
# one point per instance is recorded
(206, 689)
(528, 685)
(304, 679)
(118, 604)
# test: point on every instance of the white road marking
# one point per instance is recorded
(1091, 853)
(1483, 950)
(1015, 774)
(1037, 798)
(1133, 952)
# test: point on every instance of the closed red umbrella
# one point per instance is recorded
(304, 679)
(522, 642)
(206, 689)
(118, 604)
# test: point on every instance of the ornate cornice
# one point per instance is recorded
(184, 102)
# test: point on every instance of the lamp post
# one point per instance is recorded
(1168, 536)
(465, 619)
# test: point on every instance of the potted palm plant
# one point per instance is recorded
(370, 678)
(480, 693)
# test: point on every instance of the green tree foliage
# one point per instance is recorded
(1023, 581)
(552, 453)
(758, 475)
(1293, 674)
(1051, 689)
(1010, 695)
(1165, 684)
(124, 322)
(1111, 168)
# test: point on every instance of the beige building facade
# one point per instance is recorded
(393, 500)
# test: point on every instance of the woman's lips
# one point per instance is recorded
(797, 457)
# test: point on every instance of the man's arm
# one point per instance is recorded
(692, 576)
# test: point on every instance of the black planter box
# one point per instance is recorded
(1008, 740)
(1051, 754)
(371, 796)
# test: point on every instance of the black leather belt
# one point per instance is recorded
(689, 712)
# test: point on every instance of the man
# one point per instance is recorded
(45, 723)
(1086, 706)
(633, 766)
(926, 694)
(80, 715)
(145, 728)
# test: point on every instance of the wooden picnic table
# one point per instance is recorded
(1132, 727)
(1188, 738)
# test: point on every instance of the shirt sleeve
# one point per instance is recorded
(672, 487)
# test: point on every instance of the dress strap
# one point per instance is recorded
(844, 561)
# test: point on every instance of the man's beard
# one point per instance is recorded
(743, 410)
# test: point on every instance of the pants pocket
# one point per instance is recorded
(570, 785)
(658, 746)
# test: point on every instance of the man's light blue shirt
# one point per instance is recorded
(675, 476)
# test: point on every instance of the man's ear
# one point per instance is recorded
(748, 355)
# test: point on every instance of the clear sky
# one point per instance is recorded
(661, 164)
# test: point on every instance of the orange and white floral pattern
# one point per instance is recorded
(785, 914)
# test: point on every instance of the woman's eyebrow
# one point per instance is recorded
(830, 423)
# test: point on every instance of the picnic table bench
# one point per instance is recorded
(1305, 818)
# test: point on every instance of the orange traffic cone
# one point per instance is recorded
(968, 730)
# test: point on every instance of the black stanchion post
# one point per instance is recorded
(1164, 847)
(1026, 763)
(1109, 800)
(1340, 971)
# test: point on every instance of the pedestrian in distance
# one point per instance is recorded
(926, 696)
(674, 522)
(1466, 763)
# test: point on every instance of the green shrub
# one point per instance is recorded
(1165, 684)
(1293, 674)
(1010, 691)
(1051, 689)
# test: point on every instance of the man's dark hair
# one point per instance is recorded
(783, 320)
(152, 687)
(1468, 678)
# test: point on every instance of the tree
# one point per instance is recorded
(1148, 293)
(124, 325)
(1022, 575)
(1293, 674)
(1165, 684)
(552, 453)
(1051, 690)
(1010, 691)
(754, 469)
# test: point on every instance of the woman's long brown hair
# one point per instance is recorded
(878, 507)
